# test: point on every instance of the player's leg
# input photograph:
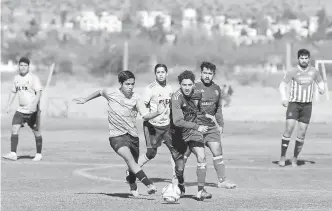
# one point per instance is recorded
(17, 123)
(35, 127)
(187, 155)
(292, 115)
(304, 120)
(153, 141)
(199, 151)
(214, 143)
(122, 146)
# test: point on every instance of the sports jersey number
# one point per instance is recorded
(165, 101)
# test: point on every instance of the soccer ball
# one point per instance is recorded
(171, 193)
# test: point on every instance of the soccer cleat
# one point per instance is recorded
(226, 184)
(152, 189)
(203, 194)
(133, 187)
(282, 161)
(10, 156)
(294, 162)
(38, 157)
(182, 189)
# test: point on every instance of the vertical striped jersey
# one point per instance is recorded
(122, 112)
(26, 88)
(155, 94)
(302, 83)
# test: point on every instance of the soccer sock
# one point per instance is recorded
(284, 145)
(142, 160)
(39, 144)
(131, 178)
(201, 174)
(220, 167)
(143, 178)
(13, 142)
(179, 166)
(173, 166)
(298, 146)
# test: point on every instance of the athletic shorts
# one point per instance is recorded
(212, 135)
(299, 111)
(21, 118)
(155, 135)
(126, 140)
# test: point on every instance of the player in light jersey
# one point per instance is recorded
(157, 129)
(211, 108)
(28, 88)
(299, 103)
(123, 107)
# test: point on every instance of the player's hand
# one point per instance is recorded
(285, 103)
(161, 108)
(79, 100)
(8, 110)
(203, 129)
(221, 130)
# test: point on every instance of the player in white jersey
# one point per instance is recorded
(299, 103)
(28, 88)
(123, 107)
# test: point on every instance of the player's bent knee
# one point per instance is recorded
(201, 159)
(151, 153)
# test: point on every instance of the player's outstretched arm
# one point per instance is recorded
(90, 97)
(146, 115)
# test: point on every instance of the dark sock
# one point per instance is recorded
(179, 166)
(13, 143)
(143, 178)
(39, 144)
(201, 174)
(284, 145)
(131, 178)
(298, 146)
(200, 188)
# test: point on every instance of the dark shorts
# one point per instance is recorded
(21, 118)
(126, 140)
(154, 136)
(299, 111)
(212, 135)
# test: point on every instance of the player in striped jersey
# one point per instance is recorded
(186, 130)
(28, 88)
(299, 103)
(123, 106)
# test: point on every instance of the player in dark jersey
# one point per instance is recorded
(211, 115)
(184, 112)
(299, 103)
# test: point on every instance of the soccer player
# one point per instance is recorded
(184, 111)
(123, 108)
(157, 129)
(299, 103)
(29, 89)
(211, 109)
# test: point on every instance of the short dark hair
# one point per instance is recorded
(208, 65)
(125, 75)
(303, 52)
(187, 74)
(160, 65)
(24, 60)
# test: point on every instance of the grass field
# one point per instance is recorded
(80, 171)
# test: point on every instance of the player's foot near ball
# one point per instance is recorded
(226, 184)
(134, 189)
(182, 189)
(152, 189)
(282, 161)
(10, 156)
(294, 162)
(203, 194)
(38, 157)
(175, 180)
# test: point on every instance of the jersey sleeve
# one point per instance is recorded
(219, 115)
(318, 77)
(37, 86)
(177, 114)
(104, 93)
(288, 76)
(13, 89)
